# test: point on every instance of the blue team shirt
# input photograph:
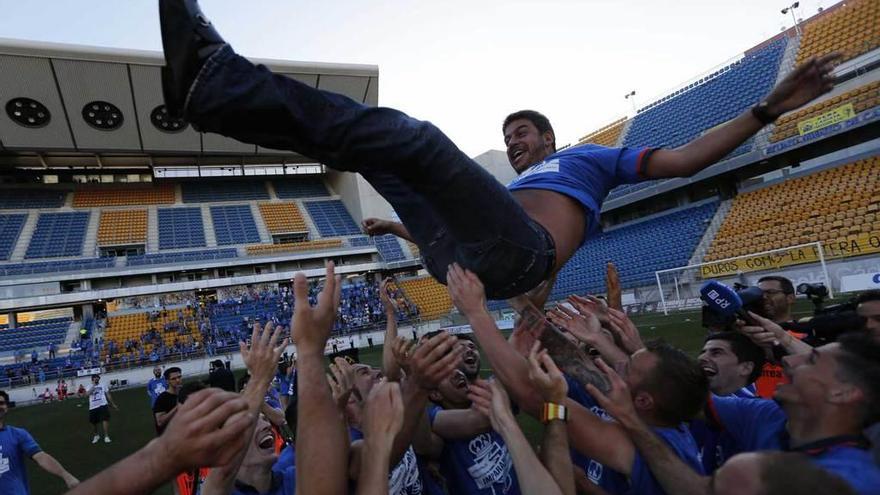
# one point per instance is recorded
(479, 465)
(283, 483)
(16, 445)
(286, 459)
(586, 173)
(760, 425)
(155, 387)
(716, 444)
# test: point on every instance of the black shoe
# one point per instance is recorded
(188, 39)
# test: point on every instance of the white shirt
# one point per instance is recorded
(97, 397)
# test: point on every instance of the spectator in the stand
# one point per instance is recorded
(221, 377)
(52, 349)
(99, 412)
(166, 403)
(156, 386)
(16, 444)
(868, 307)
(34, 357)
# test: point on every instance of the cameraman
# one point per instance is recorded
(868, 307)
(779, 300)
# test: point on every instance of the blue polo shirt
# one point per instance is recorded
(717, 445)
(286, 459)
(16, 444)
(283, 483)
(478, 465)
(586, 173)
(155, 387)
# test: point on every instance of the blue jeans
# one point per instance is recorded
(452, 207)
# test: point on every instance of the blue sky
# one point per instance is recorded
(462, 64)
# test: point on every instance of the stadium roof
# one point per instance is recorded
(73, 98)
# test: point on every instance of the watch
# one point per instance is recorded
(554, 411)
(761, 112)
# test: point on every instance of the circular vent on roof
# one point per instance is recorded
(28, 112)
(102, 115)
(164, 122)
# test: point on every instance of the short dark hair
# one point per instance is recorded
(744, 349)
(787, 286)
(217, 364)
(174, 369)
(867, 296)
(790, 472)
(4, 395)
(678, 385)
(859, 363)
(539, 120)
(190, 388)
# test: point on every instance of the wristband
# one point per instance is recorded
(762, 113)
(554, 411)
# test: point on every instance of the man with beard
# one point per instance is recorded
(778, 303)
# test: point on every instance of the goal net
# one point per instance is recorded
(679, 288)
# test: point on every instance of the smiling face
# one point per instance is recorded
(722, 367)
(365, 377)
(812, 379)
(470, 361)
(261, 450)
(526, 145)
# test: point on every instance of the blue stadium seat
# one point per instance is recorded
(17, 269)
(20, 199)
(306, 187)
(361, 241)
(10, 228)
(59, 234)
(331, 218)
(227, 190)
(389, 247)
(34, 334)
(181, 228)
(184, 257)
(234, 224)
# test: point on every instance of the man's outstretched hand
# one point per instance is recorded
(617, 401)
(376, 226)
(804, 84)
(466, 290)
(311, 326)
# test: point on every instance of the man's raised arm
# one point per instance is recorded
(804, 84)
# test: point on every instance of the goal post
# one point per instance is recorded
(679, 288)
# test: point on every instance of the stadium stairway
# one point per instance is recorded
(90, 241)
(623, 131)
(152, 229)
(210, 236)
(786, 65)
(72, 333)
(273, 195)
(24, 238)
(711, 230)
(265, 236)
(310, 224)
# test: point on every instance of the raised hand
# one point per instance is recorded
(262, 357)
(341, 381)
(546, 377)
(434, 359)
(376, 226)
(383, 415)
(617, 401)
(490, 399)
(311, 326)
(585, 326)
(807, 82)
(389, 304)
(466, 290)
(403, 350)
(626, 331)
(207, 431)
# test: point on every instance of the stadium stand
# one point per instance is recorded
(33, 334)
(58, 234)
(862, 98)
(122, 227)
(73, 265)
(713, 100)
(20, 199)
(169, 326)
(638, 249)
(605, 136)
(389, 247)
(852, 28)
(227, 190)
(292, 247)
(124, 196)
(361, 241)
(283, 218)
(839, 204)
(181, 228)
(183, 257)
(300, 188)
(331, 218)
(10, 229)
(428, 295)
(234, 224)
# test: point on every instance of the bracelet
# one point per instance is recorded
(554, 411)
(762, 113)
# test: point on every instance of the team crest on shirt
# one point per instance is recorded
(550, 166)
(492, 463)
